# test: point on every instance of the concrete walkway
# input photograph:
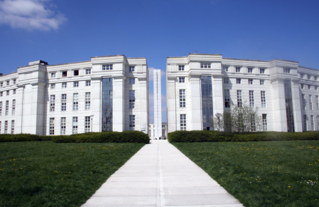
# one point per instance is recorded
(160, 175)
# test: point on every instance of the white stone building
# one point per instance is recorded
(107, 93)
(157, 103)
(201, 85)
(164, 131)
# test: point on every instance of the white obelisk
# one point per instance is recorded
(157, 103)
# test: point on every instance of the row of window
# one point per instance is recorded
(87, 125)
(182, 98)
(14, 81)
(310, 100)
(75, 124)
(75, 101)
(88, 71)
(227, 81)
(6, 125)
(75, 73)
(75, 84)
(310, 87)
(239, 81)
(87, 101)
(183, 122)
(238, 69)
(14, 91)
(250, 70)
(311, 119)
(227, 98)
(7, 107)
(304, 76)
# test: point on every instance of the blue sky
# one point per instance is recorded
(60, 31)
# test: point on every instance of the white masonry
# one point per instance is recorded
(106, 93)
(202, 85)
(157, 103)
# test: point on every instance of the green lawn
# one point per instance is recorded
(51, 174)
(275, 173)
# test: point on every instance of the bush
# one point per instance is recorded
(23, 137)
(103, 137)
(216, 136)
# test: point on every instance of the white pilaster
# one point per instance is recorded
(296, 97)
(279, 105)
(143, 98)
(196, 112)
(218, 95)
(96, 105)
(118, 104)
(171, 104)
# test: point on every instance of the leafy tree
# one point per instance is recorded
(240, 119)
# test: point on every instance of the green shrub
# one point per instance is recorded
(23, 137)
(103, 137)
(215, 136)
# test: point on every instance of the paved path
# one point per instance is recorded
(160, 175)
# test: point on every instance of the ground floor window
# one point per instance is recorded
(183, 122)
(264, 121)
(87, 124)
(6, 127)
(12, 127)
(132, 121)
(51, 126)
(63, 125)
(75, 125)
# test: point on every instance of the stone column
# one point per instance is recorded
(218, 94)
(171, 104)
(40, 105)
(196, 104)
(143, 99)
(19, 109)
(279, 105)
(96, 104)
(296, 97)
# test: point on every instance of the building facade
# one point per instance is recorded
(107, 93)
(151, 131)
(202, 85)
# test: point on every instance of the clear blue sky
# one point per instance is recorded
(60, 31)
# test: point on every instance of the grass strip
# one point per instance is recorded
(276, 173)
(50, 174)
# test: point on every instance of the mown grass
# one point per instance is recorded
(276, 173)
(50, 174)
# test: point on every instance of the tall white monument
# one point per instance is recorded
(157, 103)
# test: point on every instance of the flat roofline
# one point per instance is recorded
(245, 59)
(286, 60)
(136, 57)
(193, 54)
(108, 56)
(307, 68)
(71, 63)
(202, 54)
(7, 74)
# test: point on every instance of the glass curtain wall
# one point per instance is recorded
(107, 104)
(207, 102)
(289, 106)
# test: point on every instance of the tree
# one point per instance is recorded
(240, 119)
(218, 122)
